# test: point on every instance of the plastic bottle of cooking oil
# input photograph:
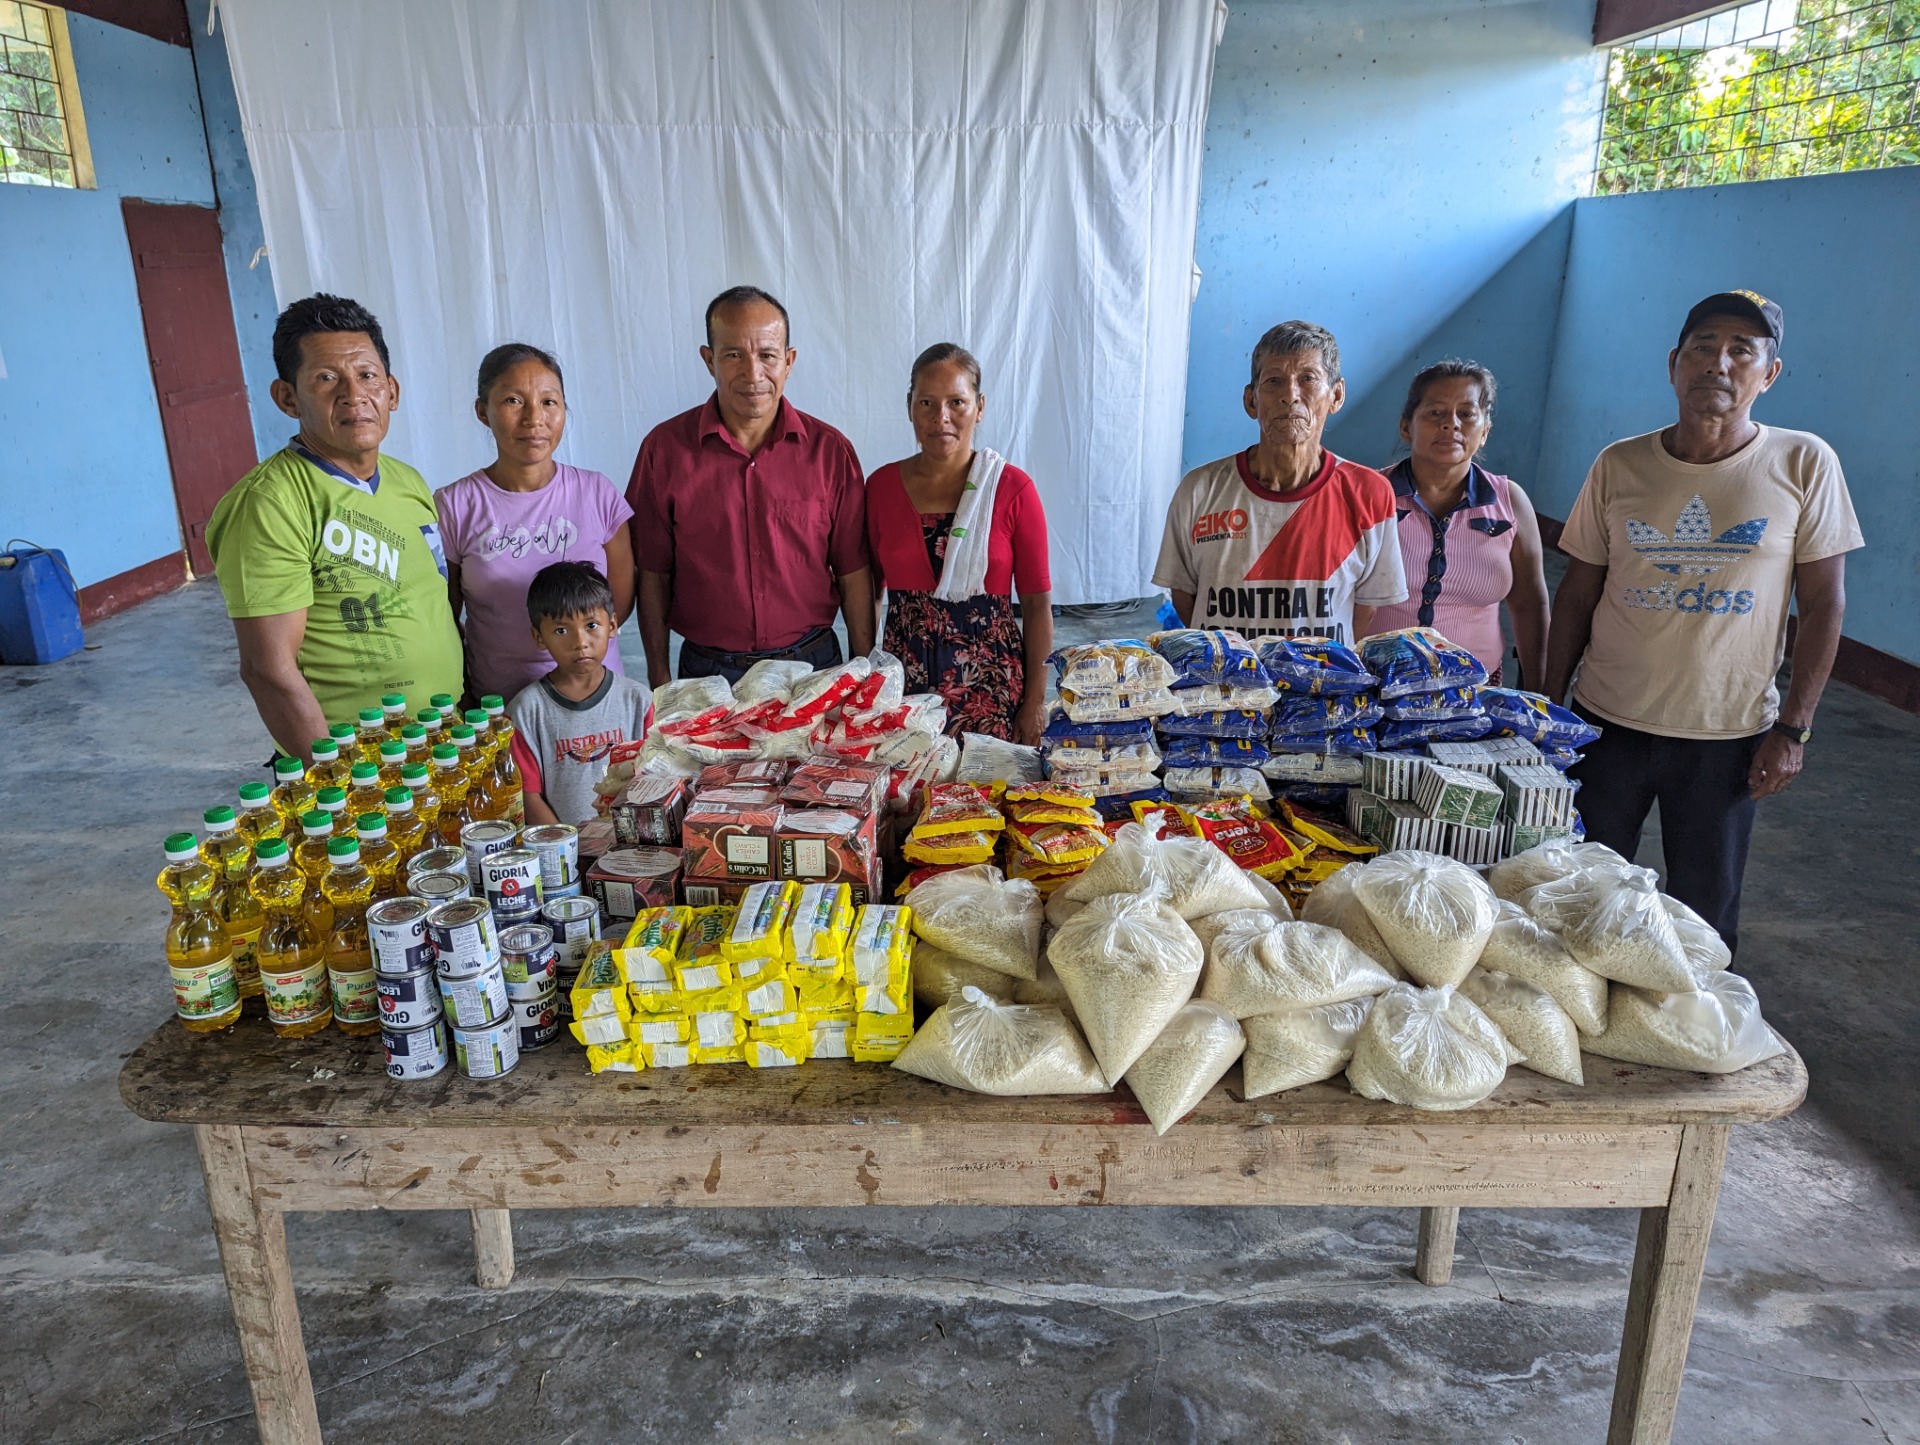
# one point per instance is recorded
(292, 953)
(405, 828)
(503, 779)
(329, 769)
(347, 737)
(377, 853)
(258, 818)
(414, 737)
(349, 954)
(473, 761)
(393, 755)
(430, 719)
(450, 782)
(292, 794)
(310, 856)
(365, 793)
(448, 709)
(426, 802)
(393, 709)
(206, 996)
(477, 719)
(368, 734)
(230, 857)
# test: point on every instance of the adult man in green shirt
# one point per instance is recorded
(329, 553)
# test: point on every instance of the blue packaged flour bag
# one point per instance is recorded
(1438, 706)
(1233, 723)
(1293, 716)
(1392, 735)
(1209, 654)
(1418, 659)
(1316, 666)
(1528, 715)
(1189, 752)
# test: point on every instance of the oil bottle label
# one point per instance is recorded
(356, 996)
(206, 991)
(246, 961)
(516, 813)
(297, 997)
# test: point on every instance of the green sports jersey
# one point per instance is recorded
(365, 566)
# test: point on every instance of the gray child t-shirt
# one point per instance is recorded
(570, 740)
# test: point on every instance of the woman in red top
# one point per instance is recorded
(952, 531)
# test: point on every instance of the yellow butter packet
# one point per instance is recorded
(705, 931)
(779, 1054)
(654, 995)
(601, 989)
(602, 1029)
(760, 928)
(875, 1051)
(653, 942)
(882, 935)
(832, 1038)
(621, 1058)
(775, 995)
(750, 971)
(874, 1027)
(718, 1030)
(659, 1029)
(822, 922)
(769, 1025)
(703, 976)
(668, 1056)
(727, 1054)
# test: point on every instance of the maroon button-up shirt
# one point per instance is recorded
(754, 543)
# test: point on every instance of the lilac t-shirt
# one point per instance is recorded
(499, 539)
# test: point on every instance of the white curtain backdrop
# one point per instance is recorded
(1019, 177)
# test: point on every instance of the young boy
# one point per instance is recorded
(572, 717)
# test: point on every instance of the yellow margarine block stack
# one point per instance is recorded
(648, 955)
(624, 1058)
(601, 1007)
(822, 924)
(881, 957)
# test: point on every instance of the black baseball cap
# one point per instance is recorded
(1749, 305)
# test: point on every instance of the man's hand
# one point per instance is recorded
(1776, 764)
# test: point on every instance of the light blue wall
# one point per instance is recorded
(1838, 254)
(1372, 165)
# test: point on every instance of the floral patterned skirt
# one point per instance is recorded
(970, 652)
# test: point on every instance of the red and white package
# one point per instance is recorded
(882, 689)
(855, 786)
(763, 771)
(819, 692)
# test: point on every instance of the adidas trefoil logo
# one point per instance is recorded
(1693, 550)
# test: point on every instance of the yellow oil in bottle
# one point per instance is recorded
(330, 763)
(504, 783)
(349, 953)
(430, 719)
(405, 828)
(450, 782)
(393, 712)
(368, 734)
(414, 737)
(292, 795)
(292, 953)
(230, 856)
(426, 802)
(258, 819)
(364, 793)
(393, 757)
(206, 995)
(443, 704)
(377, 853)
(310, 857)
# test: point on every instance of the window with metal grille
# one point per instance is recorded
(43, 138)
(1765, 90)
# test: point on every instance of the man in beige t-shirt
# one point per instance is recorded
(1687, 546)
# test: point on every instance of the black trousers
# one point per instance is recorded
(1706, 815)
(818, 649)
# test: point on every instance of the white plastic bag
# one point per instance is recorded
(1274, 900)
(938, 977)
(1537, 1027)
(1194, 877)
(1612, 919)
(1435, 914)
(1513, 876)
(1128, 963)
(1197, 1047)
(978, 914)
(1256, 967)
(1061, 907)
(1428, 1048)
(1300, 1046)
(769, 680)
(979, 1043)
(1218, 782)
(985, 759)
(1334, 903)
(689, 697)
(1522, 946)
(1210, 926)
(1045, 990)
(1706, 950)
(1715, 1029)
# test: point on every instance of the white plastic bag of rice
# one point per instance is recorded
(1536, 1026)
(1706, 950)
(978, 1043)
(1256, 967)
(1511, 877)
(1128, 962)
(1046, 991)
(1300, 1046)
(1061, 906)
(1612, 920)
(1334, 903)
(1435, 914)
(938, 977)
(1198, 1046)
(769, 680)
(1715, 1029)
(1522, 946)
(1196, 877)
(978, 914)
(1428, 1048)
(1276, 901)
(1212, 925)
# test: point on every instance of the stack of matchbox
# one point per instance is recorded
(1477, 801)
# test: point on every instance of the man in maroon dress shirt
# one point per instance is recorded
(749, 516)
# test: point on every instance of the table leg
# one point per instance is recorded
(1433, 1260)
(1668, 1261)
(492, 1247)
(253, 1252)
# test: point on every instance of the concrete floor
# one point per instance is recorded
(1001, 1325)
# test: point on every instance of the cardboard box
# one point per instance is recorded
(649, 810)
(729, 841)
(830, 845)
(596, 838)
(764, 772)
(1456, 795)
(842, 784)
(630, 879)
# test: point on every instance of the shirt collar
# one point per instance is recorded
(339, 474)
(1479, 490)
(788, 422)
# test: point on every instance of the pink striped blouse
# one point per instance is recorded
(1459, 567)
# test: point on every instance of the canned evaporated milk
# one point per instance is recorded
(481, 839)
(441, 887)
(417, 1053)
(409, 1000)
(528, 960)
(463, 937)
(575, 923)
(437, 860)
(538, 1020)
(488, 1051)
(474, 999)
(512, 883)
(558, 847)
(397, 929)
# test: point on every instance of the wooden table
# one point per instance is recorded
(315, 1124)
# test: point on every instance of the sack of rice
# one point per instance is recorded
(1273, 898)
(1715, 1029)
(1195, 877)
(1046, 991)
(1061, 906)
(979, 1043)
(1513, 876)
(981, 916)
(1435, 914)
(1612, 920)
(1128, 962)
(1256, 967)
(1214, 924)
(938, 977)
(1334, 903)
(1428, 1048)
(1519, 945)
(1300, 1046)
(1706, 950)
(1536, 1026)
(1198, 1046)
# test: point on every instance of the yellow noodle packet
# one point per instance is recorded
(653, 943)
(622, 1058)
(779, 1053)
(667, 1056)
(718, 1029)
(775, 995)
(833, 1037)
(951, 849)
(760, 928)
(822, 921)
(659, 1029)
(600, 990)
(1055, 793)
(722, 1054)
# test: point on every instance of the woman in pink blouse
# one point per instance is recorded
(953, 531)
(526, 511)
(1468, 537)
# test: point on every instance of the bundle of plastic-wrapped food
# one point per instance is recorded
(1214, 739)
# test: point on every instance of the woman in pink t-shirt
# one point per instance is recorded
(526, 511)
(1469, 540)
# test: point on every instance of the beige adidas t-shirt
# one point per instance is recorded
(1692, 623)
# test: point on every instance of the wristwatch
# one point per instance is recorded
(1803, 736)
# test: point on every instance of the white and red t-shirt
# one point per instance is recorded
(1282, 564)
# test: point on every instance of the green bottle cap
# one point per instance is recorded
(400, 800)
(446, 753)
(371, 825)
(332, 800)
(180, 847)
(414, 772)
(341, 732)
(461, 734)
(271, 851)
(220, 817)
(442, 700)
(396, 700)
(290, 769)
(428, 717)
(365, 772)
(325, 750)
(343, 850)
(372, 715)
(476, 717)
(392, 748)
(253, 792)
(494, 704)
(412, 733)
(316, 823)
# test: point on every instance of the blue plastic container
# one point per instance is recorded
(39, 606)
